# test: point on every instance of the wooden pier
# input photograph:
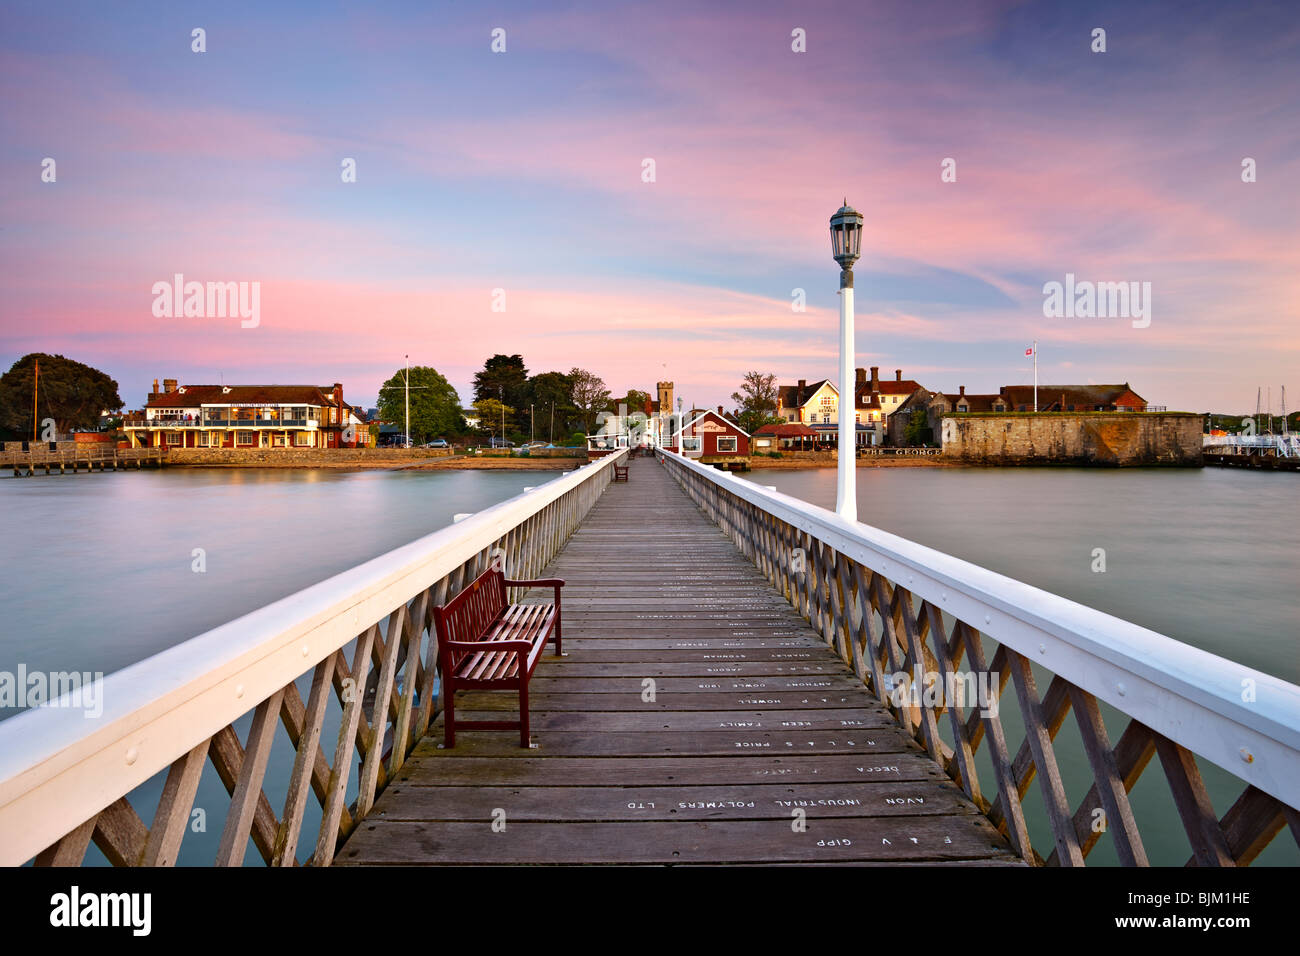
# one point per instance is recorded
(91, 458)
(696, 718)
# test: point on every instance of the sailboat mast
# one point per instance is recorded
(36, 382)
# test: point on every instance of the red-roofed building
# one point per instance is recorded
(246, 416)
(876, 400)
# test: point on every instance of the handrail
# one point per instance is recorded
(64, 779)
(1182, 700)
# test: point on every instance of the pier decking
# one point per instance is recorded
(695, 716)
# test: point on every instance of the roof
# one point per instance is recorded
(191, 396)
(726, 421)
(788, 430)
(978, 403)
(890, 387)
(790, 397)
(1055, 396)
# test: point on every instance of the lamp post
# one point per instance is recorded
(408, 402)
(846, 246)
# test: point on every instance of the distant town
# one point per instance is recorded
(52, 398)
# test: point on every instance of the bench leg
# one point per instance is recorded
(448, 717)
(523, 714)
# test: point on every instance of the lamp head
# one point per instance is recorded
(846, 241)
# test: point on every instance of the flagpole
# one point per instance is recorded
(1035, 374)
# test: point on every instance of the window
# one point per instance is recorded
(203, 439)
(301, 438)
(726, 443)
(243, 438)
(692, 444)
(173, 438)
(281, 440)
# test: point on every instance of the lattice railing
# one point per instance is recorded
(890, 607)
(66, 781)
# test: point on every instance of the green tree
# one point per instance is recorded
(917, 432)
(590, 396)
(435, 406)
(490, 413)
(552, 391)
(635, 401)
(504, 378)
(73, 394)
(757, 398)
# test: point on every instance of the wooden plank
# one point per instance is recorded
(929, 797)
(1209, 848)
(305, 764)
(437, 768)
(850, 839)
(248, 786)
(172, 818)
(70, 850)
(696, 721)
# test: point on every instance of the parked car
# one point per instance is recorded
(437, 443)
(502, 443)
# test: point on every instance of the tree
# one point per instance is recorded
(552, 390)
(635, 400)
(491, 414)
(435, 406)
(757, 398)
(73, 394)
(590, 396)
(504, 378)
(918, 431)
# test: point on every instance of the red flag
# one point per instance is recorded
(1029, 351)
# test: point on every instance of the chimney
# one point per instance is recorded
(962, 390)
(802, 382)
(169, 386)
(155, 387)
(898, 375)
(862, 377)
(875, 378)
(720, 411)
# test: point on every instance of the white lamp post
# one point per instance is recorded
(846, 246)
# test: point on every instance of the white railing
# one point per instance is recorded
(858, 585)
(65, 779)
(1287, 446)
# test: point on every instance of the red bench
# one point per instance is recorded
(485, 643)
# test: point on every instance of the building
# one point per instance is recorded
(646, 427)
(936, 405)
(815, 404)
(713, 439)
(1010, 398)
(246, 416)
(788, 437)
(1074, 398)
(877, 400)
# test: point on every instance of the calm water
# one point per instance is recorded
(97, 569)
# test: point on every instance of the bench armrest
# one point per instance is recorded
(556, 583)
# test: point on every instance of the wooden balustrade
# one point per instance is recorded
(890, 607)
(63, 786)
